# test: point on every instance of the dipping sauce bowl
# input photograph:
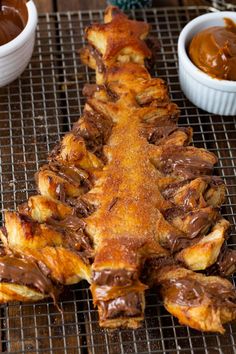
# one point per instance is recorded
(18, 21)
(210, 93)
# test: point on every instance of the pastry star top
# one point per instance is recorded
(109, 39)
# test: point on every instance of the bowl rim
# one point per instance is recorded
(193, 70)
(28, 30)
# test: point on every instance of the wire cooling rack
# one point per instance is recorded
(35, 111)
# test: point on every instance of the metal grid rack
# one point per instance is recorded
(35, 111)
(223, 5)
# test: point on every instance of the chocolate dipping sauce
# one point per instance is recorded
(213, 50)
(13, 18)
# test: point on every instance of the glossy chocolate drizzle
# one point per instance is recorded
(128, 305)
(191, 292)
(25, 272)
(13, 18)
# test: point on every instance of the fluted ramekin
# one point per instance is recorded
(211, 94)
(15, 55)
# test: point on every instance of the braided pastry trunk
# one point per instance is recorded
(124, 202)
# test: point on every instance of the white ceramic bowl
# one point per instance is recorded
(211, 94)
(15, 55)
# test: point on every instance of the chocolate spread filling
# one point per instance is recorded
(176, 243)
(153, 119)
(157, 129)
(90, 89)
(200, 223)
(191, 292)
(157, 135)
(186, 166)
(95, 130)
(152, 266)
(2, 251)
(82, 208)
(175, 160)
(196, 228)
(32, 225)
(13, 19)
(75, 236)
(154, 45)
(71, 174)
(98, 58)
(24, 209)
(172, 213)
(123, 306)
(172, 188)
(114, 277)
(25, 272)
(226, 262)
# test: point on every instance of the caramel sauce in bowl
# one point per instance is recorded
(207, 75)
(18, 21)
(213, 50)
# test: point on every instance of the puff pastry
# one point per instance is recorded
(124, 202)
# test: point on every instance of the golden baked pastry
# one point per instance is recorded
(203, 303)
(23, 280)
(124, 191)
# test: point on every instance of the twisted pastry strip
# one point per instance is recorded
(201, 302)
(123, 189)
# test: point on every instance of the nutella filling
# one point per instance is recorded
(154, 45)
(13, 18)
(95, 130)
(198, 225)
(152, 266)
(172, 188)
(98, 58)
(176, 243)
(114, 277)
(71, 174)
(190, 292)
(184, 162)
(90, 89)
(174, 212)
(169, 191)
(185, 166)
(75, 237)
(25, 272)
(199, 221)
(82, 208)
(126, 306)
(226, 262)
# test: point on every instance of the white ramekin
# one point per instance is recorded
(211, 94)
(15, 55)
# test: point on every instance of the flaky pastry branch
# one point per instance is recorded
(23, 280)
(123, 189)
(203, 303)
